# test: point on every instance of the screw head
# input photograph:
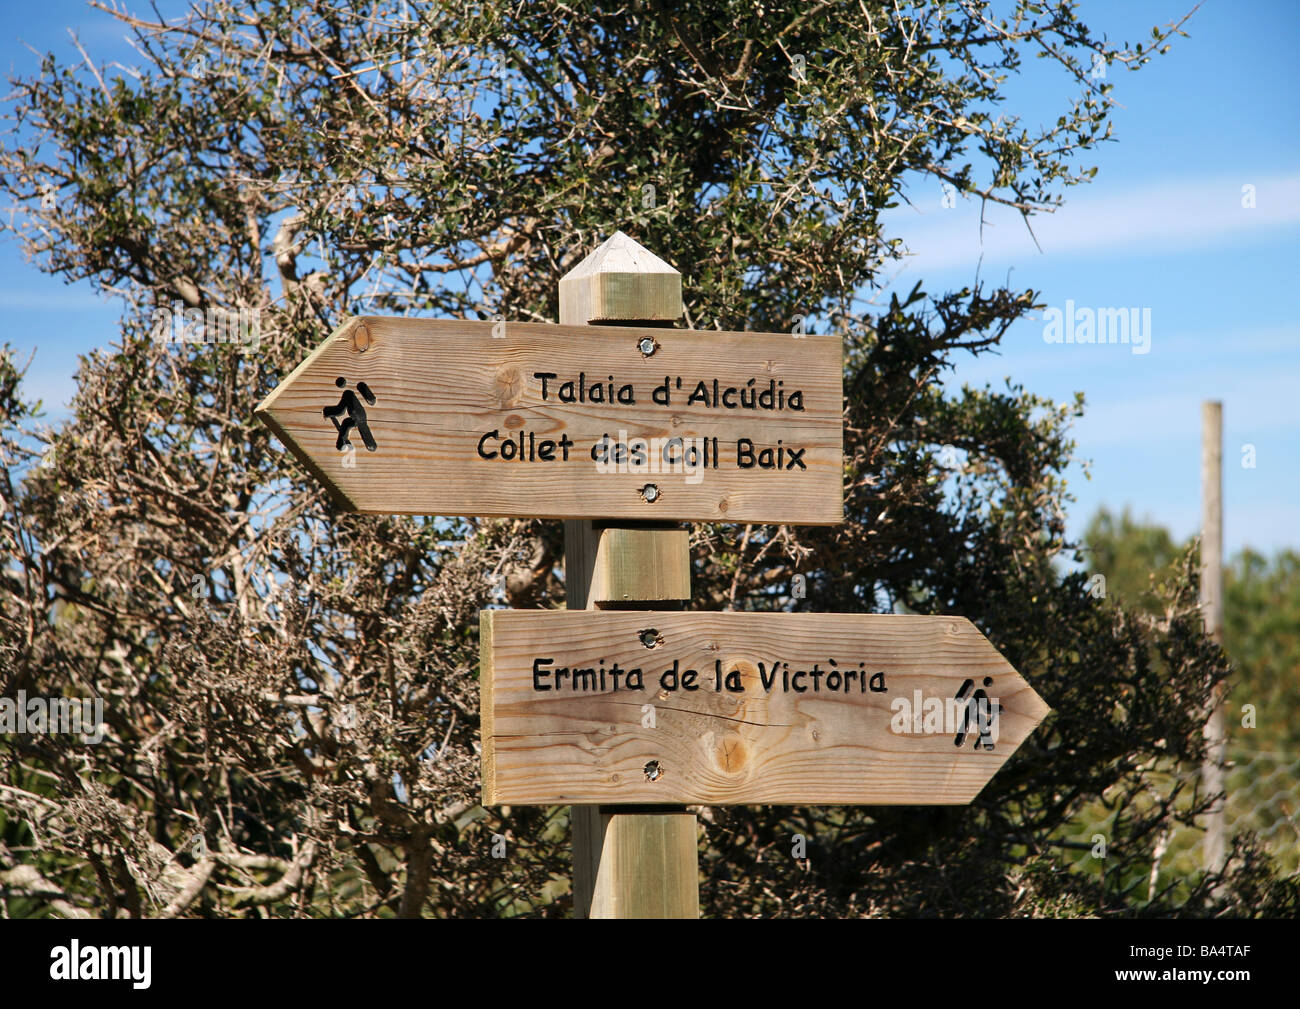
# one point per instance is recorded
(647, 345)
(650, 492)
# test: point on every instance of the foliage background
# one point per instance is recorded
(291, 692)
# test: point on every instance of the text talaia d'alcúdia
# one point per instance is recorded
(712, 395)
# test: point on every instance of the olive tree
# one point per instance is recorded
(290, 692)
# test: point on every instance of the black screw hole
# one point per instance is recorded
(649, 637)
(653, 772)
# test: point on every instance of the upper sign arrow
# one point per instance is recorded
(446, 417)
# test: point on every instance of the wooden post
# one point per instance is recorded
(1212, 771)
(627, 862)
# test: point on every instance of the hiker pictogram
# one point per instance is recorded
(356, 415)
(979, 715)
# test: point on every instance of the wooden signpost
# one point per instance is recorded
(744, 708)
(448, 417)
(629, 716)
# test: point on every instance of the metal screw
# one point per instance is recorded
(650, 492)
(647, 345)
(653, 772)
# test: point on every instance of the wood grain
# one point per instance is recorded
(620, 281)
(752, 747)
(627, 863)
(439, 385)
(640, 566)
(636, 865)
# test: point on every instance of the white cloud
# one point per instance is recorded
(1174, 215)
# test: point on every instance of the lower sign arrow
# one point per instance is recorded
(744, 708)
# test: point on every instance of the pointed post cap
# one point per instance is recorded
(620, 281)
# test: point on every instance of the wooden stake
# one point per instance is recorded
(641, 864)
(628, 864)
(1212, 771)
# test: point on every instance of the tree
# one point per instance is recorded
(1261, 636)
(290, 691)
(1132, 556)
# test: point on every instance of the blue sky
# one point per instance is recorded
(1162, 227)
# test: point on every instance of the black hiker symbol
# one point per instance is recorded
(356, 415)
(978, 715)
